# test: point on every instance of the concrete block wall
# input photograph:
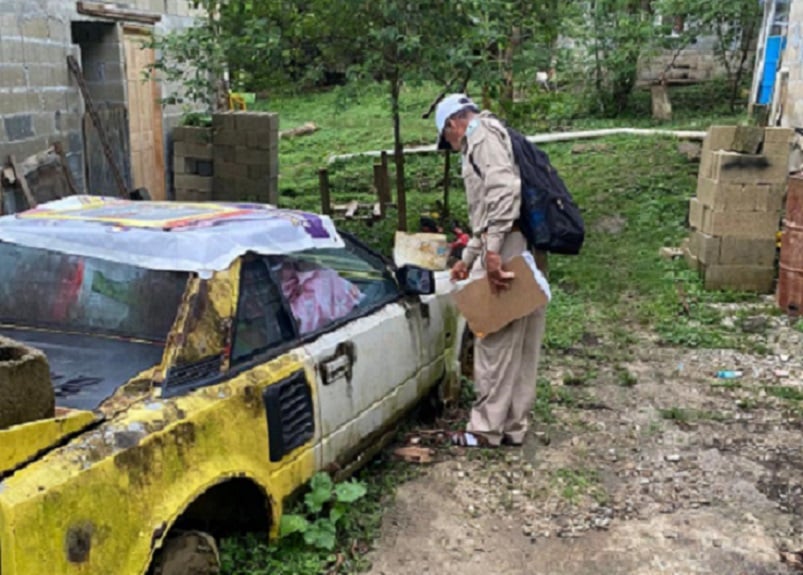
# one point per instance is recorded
(693, 63)
(39, 103)
(39, 100)
(736, 214)
(102, 61)
(193, 164)
(246, 157)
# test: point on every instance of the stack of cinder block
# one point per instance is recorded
(193, 163)
(246, 153)
(736, 214)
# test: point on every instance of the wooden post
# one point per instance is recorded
(447, 172)
(380, 189)
(386, 176)
(661, 105)
(323, 183)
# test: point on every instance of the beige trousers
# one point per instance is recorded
(506, 368)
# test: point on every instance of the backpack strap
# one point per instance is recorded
(474, 165)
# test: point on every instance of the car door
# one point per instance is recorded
(437, 325)
(366, 362)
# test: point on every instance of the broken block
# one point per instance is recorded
(26, 392)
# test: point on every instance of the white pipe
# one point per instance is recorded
(547, 138)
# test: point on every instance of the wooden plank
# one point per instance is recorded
(145, 117)
(92, 111)
(352, 208)
(99, 178)
(115, 12)
(158, 187)
(23, 182)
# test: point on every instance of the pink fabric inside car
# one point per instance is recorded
(317, 296)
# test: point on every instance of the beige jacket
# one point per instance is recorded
(494, 196)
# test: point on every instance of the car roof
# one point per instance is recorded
(200, 237)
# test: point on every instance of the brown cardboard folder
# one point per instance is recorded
(487, 312)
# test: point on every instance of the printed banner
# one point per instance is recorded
(193, 237)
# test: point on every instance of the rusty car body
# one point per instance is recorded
(186, 396)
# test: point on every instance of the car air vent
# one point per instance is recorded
(291, 422)
(65, 387)
(195, 372)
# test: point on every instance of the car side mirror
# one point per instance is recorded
(415, 280)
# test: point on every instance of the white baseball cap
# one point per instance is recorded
(448, 107)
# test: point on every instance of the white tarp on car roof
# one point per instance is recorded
(192, 237)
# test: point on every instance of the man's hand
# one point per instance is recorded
(498, 277)
(459, 271)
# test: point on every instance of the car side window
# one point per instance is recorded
(325, 286)
(263, 320)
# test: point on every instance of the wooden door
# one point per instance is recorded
(144, 117)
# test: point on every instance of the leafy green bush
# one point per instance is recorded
(325, 504)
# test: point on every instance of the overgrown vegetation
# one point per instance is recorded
(358, 524)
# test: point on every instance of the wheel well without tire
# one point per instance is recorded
(237, 505)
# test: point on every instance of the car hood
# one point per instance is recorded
(87, 370)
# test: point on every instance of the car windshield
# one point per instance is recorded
(64, 292)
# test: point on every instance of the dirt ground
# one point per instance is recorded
(664, 470)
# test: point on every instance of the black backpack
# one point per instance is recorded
(549, 218)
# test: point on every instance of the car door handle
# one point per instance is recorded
(340, 365)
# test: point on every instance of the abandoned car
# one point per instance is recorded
(169, 369)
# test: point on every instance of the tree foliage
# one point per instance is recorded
(735, 25)
(616, 35)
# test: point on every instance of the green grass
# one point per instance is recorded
(690, 415)
(354, 120)
(625, 377)
(785, 392)
(575, 483)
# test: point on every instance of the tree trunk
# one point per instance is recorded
(747, 39)
(598, 64)
(486, 96)
(508, 92)
(398, 149)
